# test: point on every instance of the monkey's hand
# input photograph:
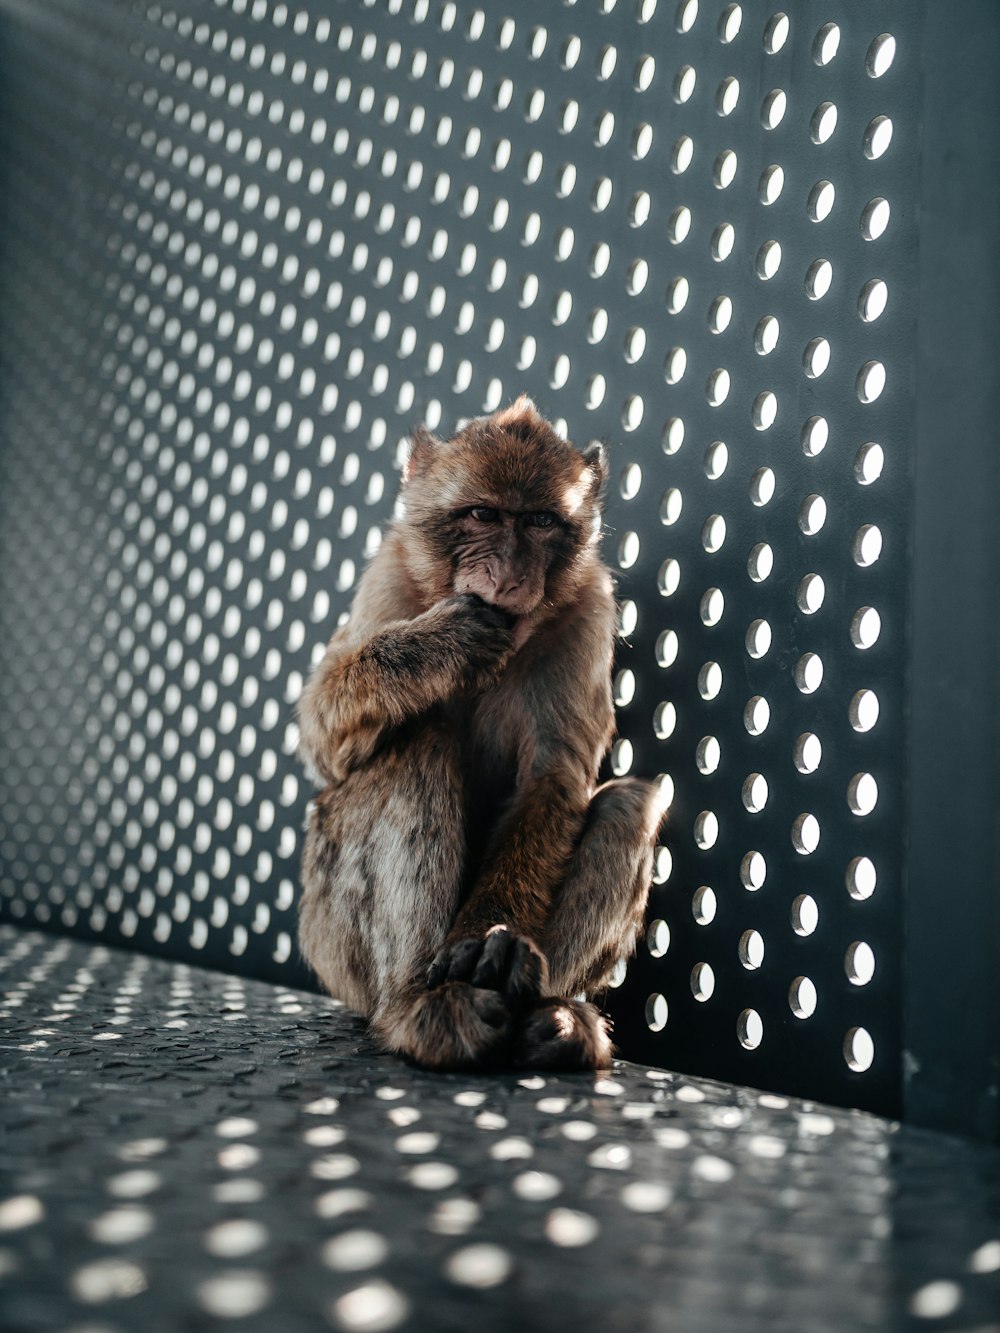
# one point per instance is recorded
(484, 638)
(500, 961)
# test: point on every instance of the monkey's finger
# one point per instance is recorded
(495, 960)
(528, 973)
(463, 958)
(437, 971)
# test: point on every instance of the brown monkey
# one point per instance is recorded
(461, 875)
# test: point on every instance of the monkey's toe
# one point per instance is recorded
(563, 1034)
(502, 961)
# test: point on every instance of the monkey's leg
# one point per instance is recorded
(595, 920)
(382, 872)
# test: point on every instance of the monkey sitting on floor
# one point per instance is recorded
(462, 878)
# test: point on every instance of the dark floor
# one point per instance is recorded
(185, 1150)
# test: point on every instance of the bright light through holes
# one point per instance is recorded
(708, 754)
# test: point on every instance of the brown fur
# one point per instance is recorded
(460, 874)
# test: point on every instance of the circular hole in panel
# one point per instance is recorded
(776, 33)
(805, 834)
(675, 365)
(878, 137)
(704, 905)
(875, 218)
(807, 752)
(628, 550)
(859, 1050)
(713, 604)
(720, 312)
(762, 485)
(723, 240)
(770, 185)
(861, 878)
(632, 412)
(706, 830)
(635, 344)
(710, 680)
(679, 225)
(816, 358)
(667, 646)
(812, 514)
(823, 122)
(658, 937)
(819, 205)
(635, 280)
(862, 794)
(668, 577)
(872, 300)
(765, 337)
(727, 95)
(717, 387)
(595, 390)
(804, 914)
(859, 963)
(768, 260)
(677, 295)
(724, 170)
(810, 593)
(753, 871)
(664, 720)
(867, 545)
(819, 276)
(673, 435)
(716, 460)
(755, 793)
(772, 109)
(826, 44)
(809, 673)
(656, 1012)
(756, 715)
(624, 687)
(866, 625)
(751, 949)
(702, 982)
(758, 638)
(802, 997)
(880, 55)
(863, 710)
(684, 83)
(750, 1029)
(708, 754)
(687, 12)
(764, 410)
(815, 434)
(628, 618)
(730, 22)
(871, 381)
(713, 534)
(671, 505)
(630, 481)
(760, 562)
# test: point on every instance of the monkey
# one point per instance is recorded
(466, 884)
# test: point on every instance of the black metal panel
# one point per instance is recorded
(249, 245)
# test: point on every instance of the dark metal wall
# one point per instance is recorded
(248, 245)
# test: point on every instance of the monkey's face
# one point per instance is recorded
(507, 510)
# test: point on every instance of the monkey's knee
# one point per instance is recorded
(630, 807)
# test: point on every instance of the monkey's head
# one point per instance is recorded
(507, 510)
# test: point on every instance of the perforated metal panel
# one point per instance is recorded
(248, 245)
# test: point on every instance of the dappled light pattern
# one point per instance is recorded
(185, 1149)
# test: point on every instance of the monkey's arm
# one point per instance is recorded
(387, 665)
(566, 726)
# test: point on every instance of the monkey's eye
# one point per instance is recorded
(482, 515)
(540, 520)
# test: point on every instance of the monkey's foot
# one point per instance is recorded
(456, 1026)
(563, 1034)
(500, 961)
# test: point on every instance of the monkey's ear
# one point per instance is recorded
(423, 447)
(597, 461)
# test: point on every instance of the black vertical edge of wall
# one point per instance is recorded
(951, 988)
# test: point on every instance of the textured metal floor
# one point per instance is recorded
(184, 1149)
